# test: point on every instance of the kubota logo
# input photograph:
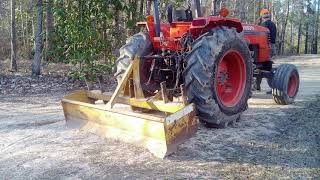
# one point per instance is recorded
(248, 28)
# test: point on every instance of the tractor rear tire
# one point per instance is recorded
(285, 84)
(137, 45)
(222, 48)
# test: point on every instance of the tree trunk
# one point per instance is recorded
(255, 10)
(291, 33)
(234, 9)
(216, 6)
(36, 64)
(116, 25)
(306, 40)
(13, 64)
(299, 38)
(49, 28)
(284, 27)
(291, 39)
(149, 4)
(301, 14)
(134, 15)
(23, 38)
(316, 33)
(33, 32)
(259, 7)
(243, 15)
(27, 34)
(141, 8)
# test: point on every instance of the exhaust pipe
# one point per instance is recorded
(157, 17)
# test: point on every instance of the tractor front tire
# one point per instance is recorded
(218, 77)
(285, 84)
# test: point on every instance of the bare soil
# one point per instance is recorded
(270, 142)
(53, 79)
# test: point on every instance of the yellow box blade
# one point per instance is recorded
(158, 132)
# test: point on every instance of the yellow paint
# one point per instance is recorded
(160, 130)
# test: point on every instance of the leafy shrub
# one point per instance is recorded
(80, 36)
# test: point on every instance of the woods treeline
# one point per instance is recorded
(87, 34)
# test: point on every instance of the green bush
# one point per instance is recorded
(79, 37)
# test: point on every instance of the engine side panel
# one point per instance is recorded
(258, 39)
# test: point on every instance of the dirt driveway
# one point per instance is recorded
(270, 142)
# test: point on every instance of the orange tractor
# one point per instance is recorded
(175, 73)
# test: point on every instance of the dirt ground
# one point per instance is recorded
(270, 141)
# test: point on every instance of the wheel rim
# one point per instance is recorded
(230, 78)
(292, 85)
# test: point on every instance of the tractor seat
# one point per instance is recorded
(182, 15)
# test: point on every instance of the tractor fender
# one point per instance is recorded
(205, 24)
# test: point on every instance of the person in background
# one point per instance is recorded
(265, 18)
(266, 22)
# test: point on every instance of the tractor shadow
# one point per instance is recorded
(268, 134)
